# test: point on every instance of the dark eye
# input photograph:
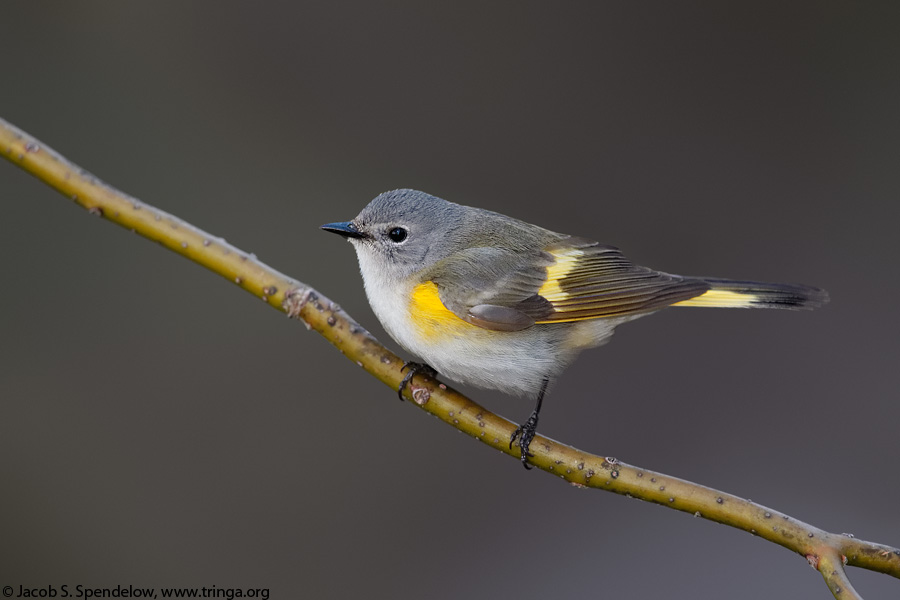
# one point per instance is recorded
(397, 234)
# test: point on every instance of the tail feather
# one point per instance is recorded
(728, 293)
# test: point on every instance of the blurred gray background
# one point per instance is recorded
(160, 427)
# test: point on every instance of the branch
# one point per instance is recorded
(831, 566)
(826, 552)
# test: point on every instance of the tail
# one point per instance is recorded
(753, 294)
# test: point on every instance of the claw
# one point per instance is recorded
(414, 369)
(525, 433)
(527, 430)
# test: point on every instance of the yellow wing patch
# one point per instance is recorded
(720, 298)
(566, 260)
(431, 318)
(592, 281)
(565, 263)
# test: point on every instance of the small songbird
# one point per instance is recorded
(498, 303)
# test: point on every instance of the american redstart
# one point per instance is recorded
(498, 303)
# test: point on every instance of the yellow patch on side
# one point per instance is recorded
(429, 315)
(564, 262)
(720, 298)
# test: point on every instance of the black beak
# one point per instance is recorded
(346, 229)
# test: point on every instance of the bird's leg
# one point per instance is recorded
(525, 432)
(414, 368)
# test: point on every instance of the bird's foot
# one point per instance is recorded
(525, 433)
(414, 369)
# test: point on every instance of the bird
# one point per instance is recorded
(497, 303)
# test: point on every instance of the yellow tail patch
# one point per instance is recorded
(720, 298)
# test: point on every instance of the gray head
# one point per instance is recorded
(404, 231)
